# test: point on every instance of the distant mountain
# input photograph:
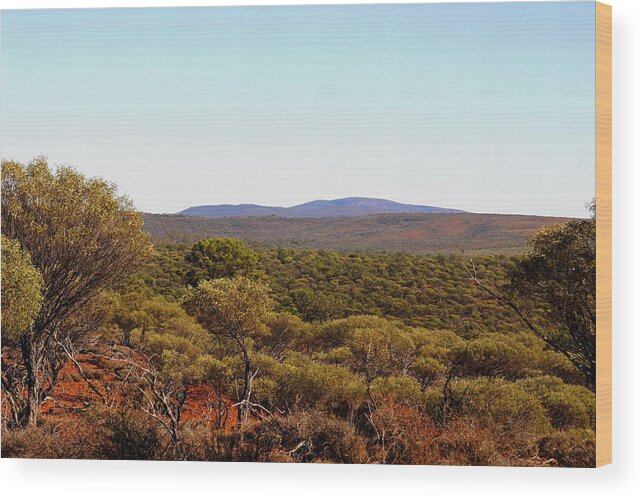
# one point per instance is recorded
(233, 210)
(345, 207)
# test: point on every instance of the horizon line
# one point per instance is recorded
(456, 211)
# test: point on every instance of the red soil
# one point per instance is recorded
(73, 394)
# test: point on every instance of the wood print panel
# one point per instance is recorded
(604, 234)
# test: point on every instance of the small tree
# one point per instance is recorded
(380, 351)
(560, 271)
(286, 332)
(558, 279)
(314, 305)
(216, 258)
(234, 309)
(83, 238)
(167, 351)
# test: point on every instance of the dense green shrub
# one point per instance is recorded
(215, 258)
(509, 356)
(298, 383)
(568, 406)
(427, 370)
(285, 332)
(401, 389)
(434, 292)
(505, 407)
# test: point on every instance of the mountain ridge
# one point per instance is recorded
(318, 208)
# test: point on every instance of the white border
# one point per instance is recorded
(120, 480)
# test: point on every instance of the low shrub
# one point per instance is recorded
(399, 434)
(506, 408)
(466, 443)
(571, 448)
(568, 406)
(251, 443)
(128, 435)
(31, 443)
(73, 440)
(325, 438)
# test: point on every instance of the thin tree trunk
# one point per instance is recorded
(242, 408)
(30, 414)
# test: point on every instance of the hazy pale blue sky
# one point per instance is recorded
(482, 107)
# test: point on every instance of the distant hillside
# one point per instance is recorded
(346, 207)
(414, 233)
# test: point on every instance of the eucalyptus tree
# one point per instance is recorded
(83, 238)
(236, 310)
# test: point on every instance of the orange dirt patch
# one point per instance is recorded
(73, 395)
(203, 404)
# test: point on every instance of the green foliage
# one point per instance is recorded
(313, 306)
(506, 407)
(401, 389)
(83, 239)
(80, 234)
(438, 344)
(568, 406)
(164, 274)
(324, 356)
(299, 383)
(434, 292)
(216, 258)
(511, 357)
(139, 316)
(491, 356)
(380, 349)
(285, 332)
(21, 291)
(341, 332)
(560, 271)
(233, 308)
(329, 356)
(427, 370)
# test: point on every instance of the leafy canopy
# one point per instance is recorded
(21, 290)
(560, 272)
(82, 237)
(234, 308)
(216, 258)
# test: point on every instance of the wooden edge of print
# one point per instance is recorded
(603, 234)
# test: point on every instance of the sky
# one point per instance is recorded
(483, 107)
